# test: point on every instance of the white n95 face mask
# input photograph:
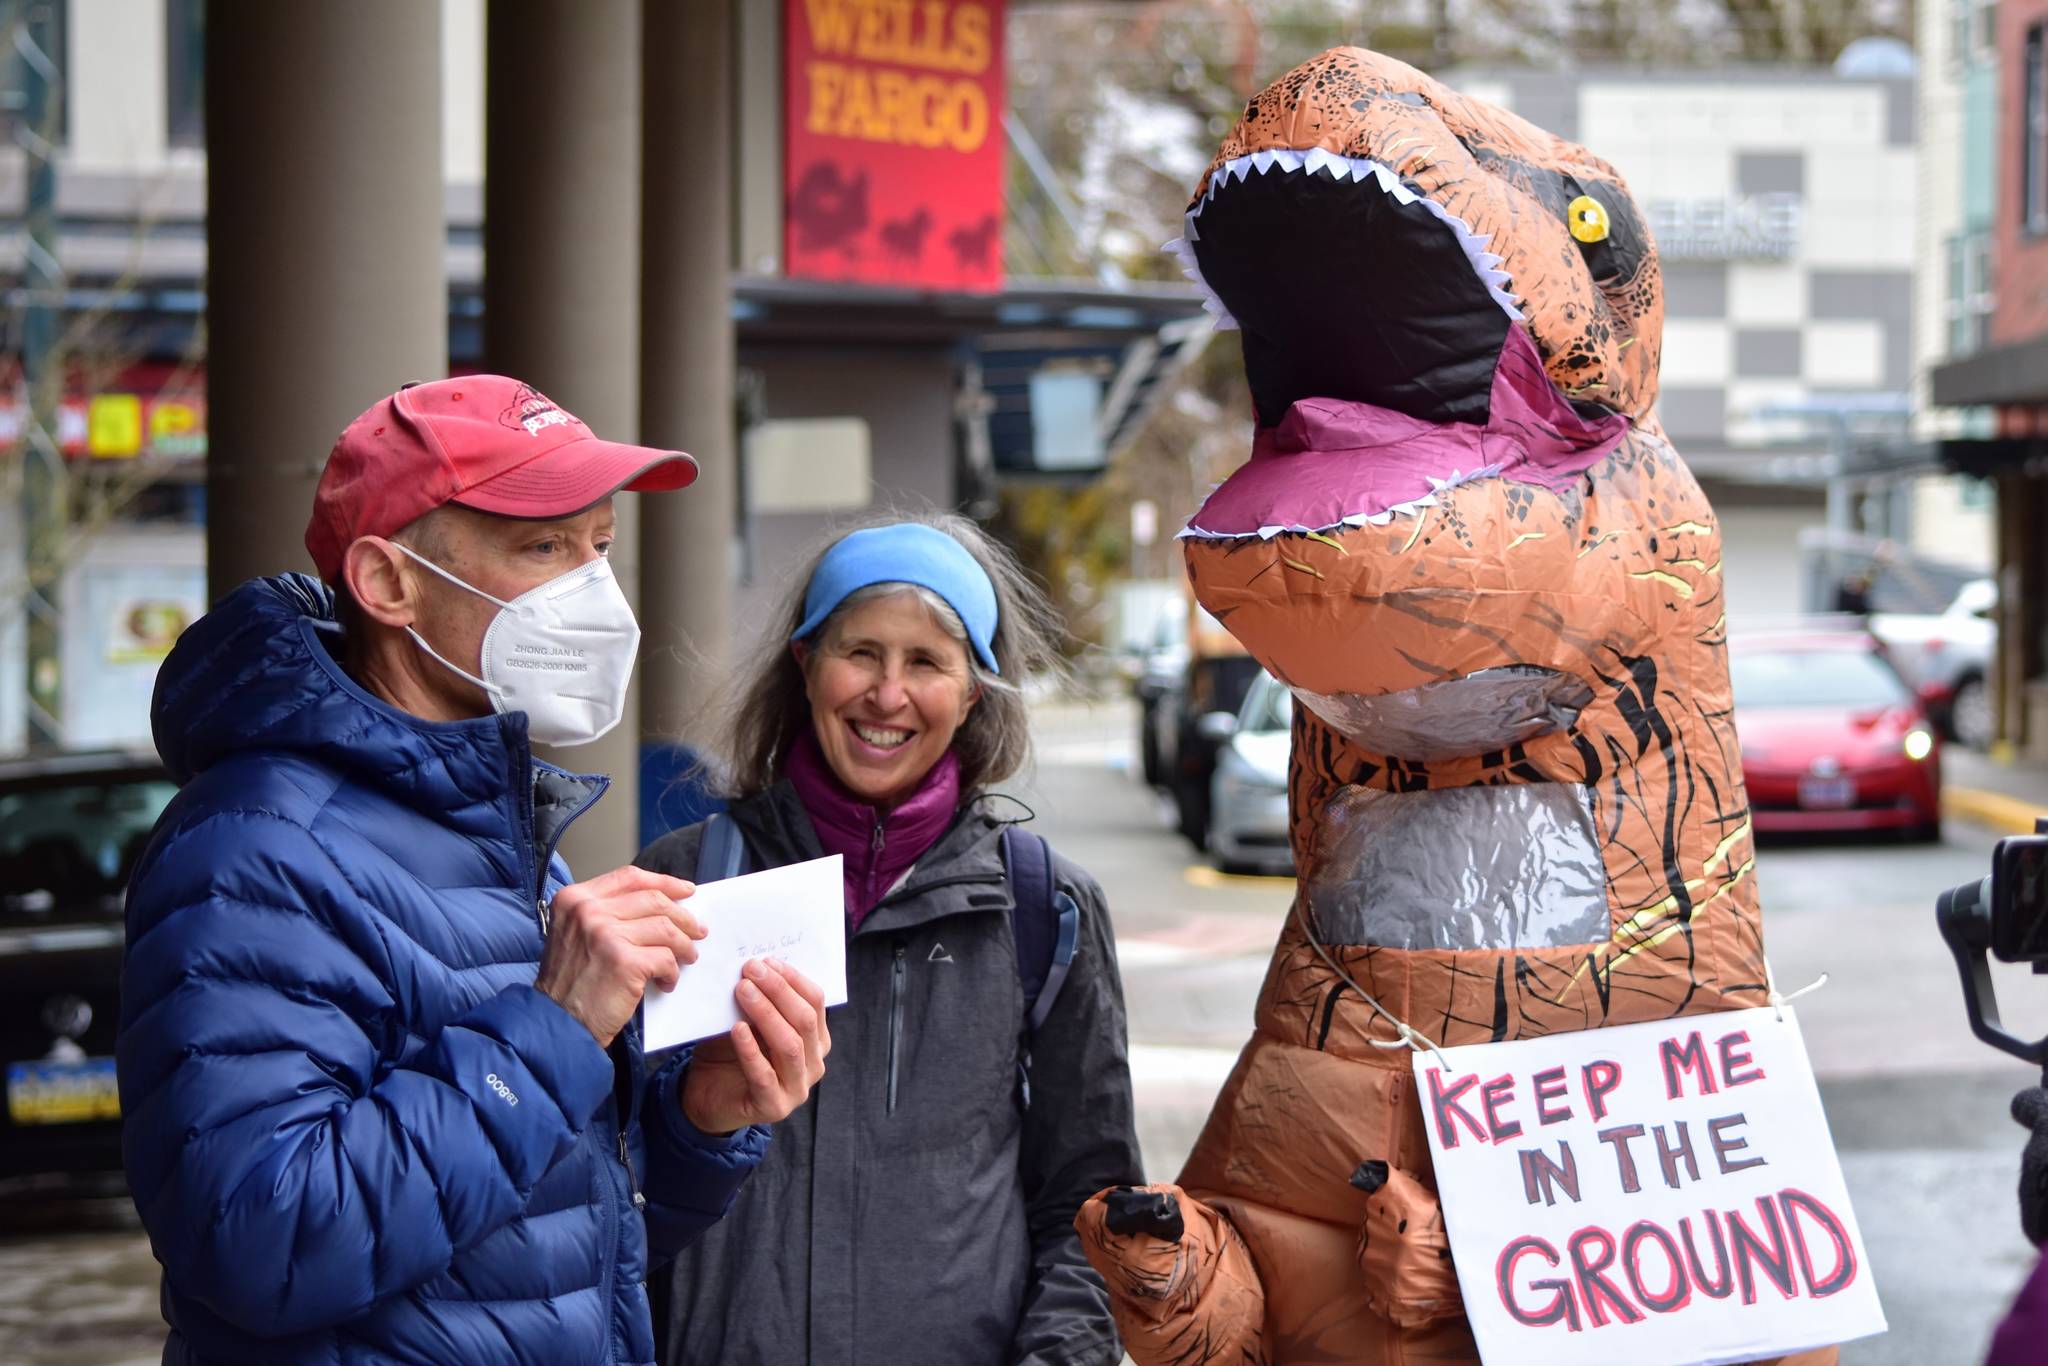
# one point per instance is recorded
(562, 653)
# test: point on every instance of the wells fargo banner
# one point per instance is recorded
(893, 142)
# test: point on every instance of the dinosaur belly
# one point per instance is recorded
(1505, 867)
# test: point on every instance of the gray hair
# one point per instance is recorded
(766, 706)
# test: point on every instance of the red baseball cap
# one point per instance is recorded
(483, 441)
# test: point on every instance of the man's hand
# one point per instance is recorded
(610, 938)
(771, 1060)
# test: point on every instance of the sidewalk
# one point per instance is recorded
(2003, 797)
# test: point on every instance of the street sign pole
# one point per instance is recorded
(45, 490)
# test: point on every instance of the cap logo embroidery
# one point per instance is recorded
(535, 412)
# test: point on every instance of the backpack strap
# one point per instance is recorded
(723, 851)
(1047, 925)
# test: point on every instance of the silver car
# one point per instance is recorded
(1248, 791)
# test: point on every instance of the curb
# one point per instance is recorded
(2006, 815)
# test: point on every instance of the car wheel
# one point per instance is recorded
(1194, 817)
(1926, 833)
(1970, 721)
(1148, 749)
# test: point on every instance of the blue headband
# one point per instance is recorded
(906, 552)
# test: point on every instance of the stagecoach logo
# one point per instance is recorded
(535, 412)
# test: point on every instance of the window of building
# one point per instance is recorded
(1973, 30)
(32, 45)
(2034, 133)
(185, 61)
(1968, 297)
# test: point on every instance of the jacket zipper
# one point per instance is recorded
(626, 1161)
(874, 868)
(896, 978)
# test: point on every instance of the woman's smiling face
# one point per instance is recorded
(888, 687)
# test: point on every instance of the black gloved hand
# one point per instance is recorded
(1129, 1209)
(2030, 1108)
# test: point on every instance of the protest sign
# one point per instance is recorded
(1661, 1194)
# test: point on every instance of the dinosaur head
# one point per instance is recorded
(1378, 237)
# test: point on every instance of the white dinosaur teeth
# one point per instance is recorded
(1414, 507)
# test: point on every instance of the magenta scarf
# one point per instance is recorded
(878, 848)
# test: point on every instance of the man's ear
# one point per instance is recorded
(377, 576)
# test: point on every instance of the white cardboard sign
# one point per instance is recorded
(1661, 1194)
(796, 913)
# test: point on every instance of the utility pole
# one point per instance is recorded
(46, 510)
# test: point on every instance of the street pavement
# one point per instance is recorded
(1916, 1104)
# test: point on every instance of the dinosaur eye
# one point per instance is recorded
(1587, 218)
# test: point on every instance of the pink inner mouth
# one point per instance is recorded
(1330, 462)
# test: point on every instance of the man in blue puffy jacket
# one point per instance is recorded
(384, 1094)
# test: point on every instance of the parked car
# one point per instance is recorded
(1214, 684)
(1832, 737)
(1248, 791)
(1161, 671)
(1947, 656)
(71, 829)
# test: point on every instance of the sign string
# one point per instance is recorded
(1405, 1034)
(1779, 1001)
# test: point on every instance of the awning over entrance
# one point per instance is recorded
(2017, 373)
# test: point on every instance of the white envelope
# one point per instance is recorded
(796, 913)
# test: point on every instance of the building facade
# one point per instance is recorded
(846, 397)
(1992, 396)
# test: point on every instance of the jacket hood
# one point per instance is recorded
(256, 674)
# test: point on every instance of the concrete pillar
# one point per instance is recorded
(325, 232)
(687, 354)
(562, 285)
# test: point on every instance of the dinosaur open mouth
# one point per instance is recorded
(1348, 284)
(1380, 383)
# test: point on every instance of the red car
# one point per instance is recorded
(1832, 738)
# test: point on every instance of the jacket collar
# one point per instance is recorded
(260, 673)
(962, 871)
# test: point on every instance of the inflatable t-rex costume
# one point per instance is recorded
(1517, 806)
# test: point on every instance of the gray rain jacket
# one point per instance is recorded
(913, 1212)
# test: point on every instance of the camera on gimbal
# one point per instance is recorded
(2005, 914)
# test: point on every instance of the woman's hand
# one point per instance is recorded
(767, 1066)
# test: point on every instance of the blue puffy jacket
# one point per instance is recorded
(355, 1132)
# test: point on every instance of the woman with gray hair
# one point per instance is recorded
(919, 1208)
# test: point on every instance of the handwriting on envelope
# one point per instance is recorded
(797, 914)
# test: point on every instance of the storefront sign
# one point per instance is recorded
(1757, 227)
(114, 427)
(1649, 1195)
(177, 428)
(143, 628)
(893, 142)
(118, 427)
